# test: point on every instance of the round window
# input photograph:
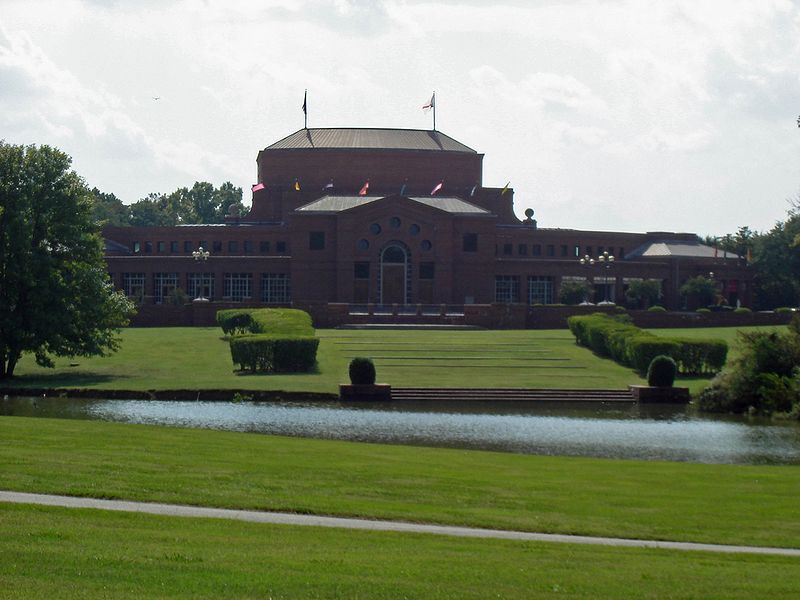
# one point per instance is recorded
(395, 222)
(414, 229)
(375, 228)
(363, 245)
(426, 245)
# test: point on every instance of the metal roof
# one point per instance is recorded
(354, 138)
(681, 249)
(448, 204)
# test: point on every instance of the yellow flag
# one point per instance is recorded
(505, 188)
(296, 185)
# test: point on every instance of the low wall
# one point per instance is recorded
(488, 316)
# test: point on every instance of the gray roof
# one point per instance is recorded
(449, 204)
(351, 137)
(679, 249)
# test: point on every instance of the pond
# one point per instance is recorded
(673, 433)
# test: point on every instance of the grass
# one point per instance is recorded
(642, 499)
(60, 553)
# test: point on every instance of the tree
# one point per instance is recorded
(643, 293)
(55, 295)
(575, 292)
(698, 291)
(109, 210)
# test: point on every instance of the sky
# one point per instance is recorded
(611, 115)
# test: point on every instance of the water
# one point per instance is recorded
(600, 430)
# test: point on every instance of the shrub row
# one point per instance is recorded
(278, 340)
(265, 352)
(628, 345)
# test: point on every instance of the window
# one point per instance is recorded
(551, 250)
(621, 253)
(275, 288)
(187, 247)
(248, 247)
(508, 249)
(506, 288)
(233, 247)
(280, 247)
(426, 270)
(395, 222)
(426, 245)
(470, 242)
(133, 285)
(522, 249)
(173, 247)
(361, 270)
(540, 290)
(162, 246)
(200, 285)
(414, 229)
(577, 251)
(564, 250)
(363, 244)
(263, 247)
(536, 250)
(148, 247)
(237, 286)
(203, 244)
(216, 247)
(163, 285)
(375, 228)
(137, 247)
(600, 250)
(589, 250)
(316, 240)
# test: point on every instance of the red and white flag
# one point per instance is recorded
(430, 104)
(438, 187)
(364, 189)
(258, 186)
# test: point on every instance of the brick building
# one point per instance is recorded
(349, 216)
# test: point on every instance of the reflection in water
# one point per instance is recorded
(603, 430)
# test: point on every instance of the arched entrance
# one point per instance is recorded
(394, 274)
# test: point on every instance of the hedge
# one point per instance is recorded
(628, 345)
(264, 352)
(278, 340)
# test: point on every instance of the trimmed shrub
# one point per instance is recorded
(782, 310)
(285, 321)
(362, 371)
(263, 352)
(703, 310)
(661, 372)
(742, 310)
(643, 349)
(657, 308)
(235, 320)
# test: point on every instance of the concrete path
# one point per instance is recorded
(253, 516)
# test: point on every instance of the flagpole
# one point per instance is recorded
(434, 110)
(305, 110)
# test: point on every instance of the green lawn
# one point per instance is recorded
(199, 358)
(642, 499)
(61, 553)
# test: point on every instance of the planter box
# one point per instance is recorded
(374, 393)
(668, 395)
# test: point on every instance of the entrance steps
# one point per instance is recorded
(409, 326)
(510, 395)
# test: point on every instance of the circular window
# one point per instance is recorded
(395, 222)
(414, 229)
(375, 228)
(426, 245)
(363, 245)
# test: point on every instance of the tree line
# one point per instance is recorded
(202, 203)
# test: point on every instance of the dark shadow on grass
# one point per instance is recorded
(57, 380)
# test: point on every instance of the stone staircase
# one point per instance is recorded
(510, 395)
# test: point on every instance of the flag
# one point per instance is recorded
(431, 103)
(256, 187)
(305, 106)
(297, 185)
(364, 189)
(438, 187)
(329, 185)
(505, 188)
(474, 187)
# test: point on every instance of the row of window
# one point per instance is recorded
(233, 247)
(540, 289)
(563, 250)
(275, 287)
(361, 270)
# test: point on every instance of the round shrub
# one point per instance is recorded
(661, 372)
(782, 310)
(657, 308)
(362, 371)
(703, 310)
(742, 309)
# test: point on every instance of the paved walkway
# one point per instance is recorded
(253, 516)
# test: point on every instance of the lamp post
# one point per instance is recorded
(200, 255)
(586, 261)
(606, 260)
